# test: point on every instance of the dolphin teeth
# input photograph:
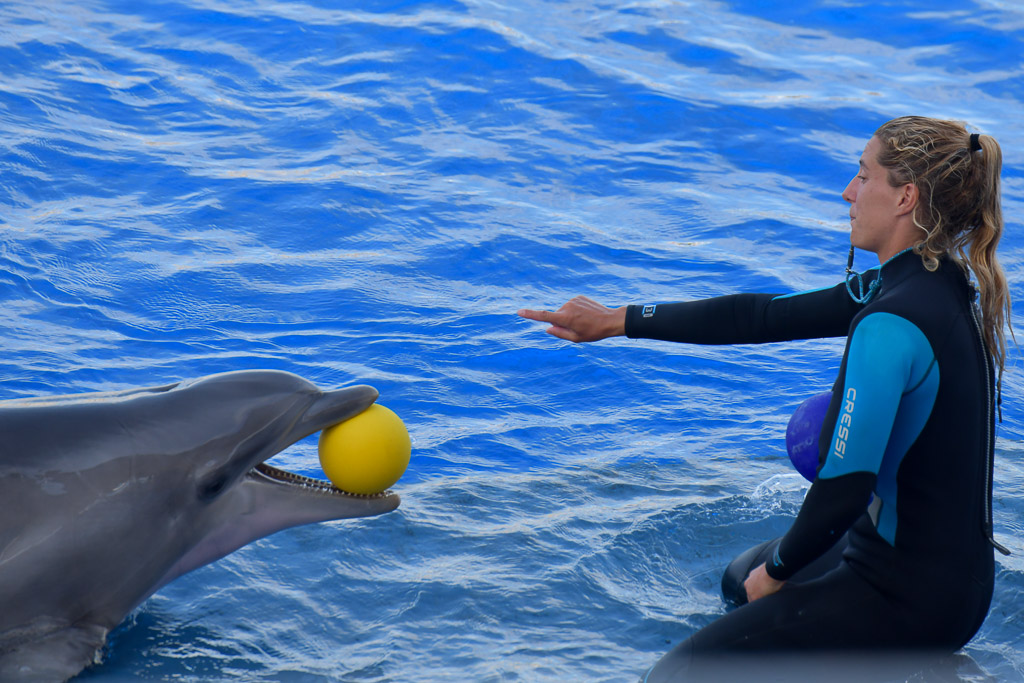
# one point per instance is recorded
(265, 471)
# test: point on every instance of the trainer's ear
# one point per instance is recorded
(908, 199)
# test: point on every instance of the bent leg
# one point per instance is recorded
(835, 613)
(739, 569)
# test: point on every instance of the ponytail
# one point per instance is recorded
(959, 208)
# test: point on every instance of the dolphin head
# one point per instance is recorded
(110, 496)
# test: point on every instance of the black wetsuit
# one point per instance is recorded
(905, 467)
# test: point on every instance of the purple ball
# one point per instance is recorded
(802, 434)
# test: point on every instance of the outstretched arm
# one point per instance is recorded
(582, 320)
(733, 319)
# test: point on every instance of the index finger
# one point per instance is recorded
(539, 316)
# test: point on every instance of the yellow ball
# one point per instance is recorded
(367, 453)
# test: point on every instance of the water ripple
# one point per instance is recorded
(367, 195)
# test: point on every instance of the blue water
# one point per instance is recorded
(367, 191)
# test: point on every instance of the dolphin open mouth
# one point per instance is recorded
(266, 472)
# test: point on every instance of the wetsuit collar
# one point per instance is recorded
(855, 280)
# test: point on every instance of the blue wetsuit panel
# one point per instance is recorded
(891, 383)
(889, 359)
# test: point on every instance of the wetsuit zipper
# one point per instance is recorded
(989, 445)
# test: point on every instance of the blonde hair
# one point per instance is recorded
(958, 206)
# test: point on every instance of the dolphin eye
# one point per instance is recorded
(212, 487)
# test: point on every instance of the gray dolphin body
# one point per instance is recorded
(104, 498)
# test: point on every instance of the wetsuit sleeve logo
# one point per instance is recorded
(649, 311)
(843, 428)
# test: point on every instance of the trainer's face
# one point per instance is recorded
(875, 205)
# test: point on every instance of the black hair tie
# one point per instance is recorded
(975, 143)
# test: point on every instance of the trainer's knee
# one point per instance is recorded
(739, 569)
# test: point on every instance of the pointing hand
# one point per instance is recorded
(582, 320)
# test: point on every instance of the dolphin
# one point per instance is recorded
(106, 497)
